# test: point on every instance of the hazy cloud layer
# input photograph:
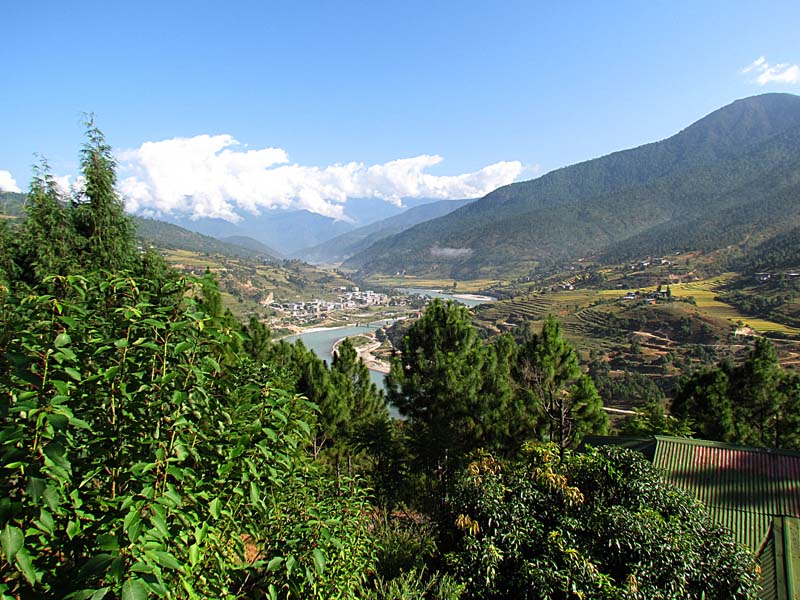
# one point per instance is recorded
(7, 183)
(766, 73)
(214, 176)
(444, 252)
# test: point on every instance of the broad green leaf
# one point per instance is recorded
(134, 589)
(214, 507)
(133, 525)
(255, 493)
(74, 373)
(73, 529)
(36, 487)
(62, 339)
(319, 561)
(96, 565)
(56, 453)
(45, 522)
(275, 563)
(25, 565)
(165, 559)
(194, 554)
(80, 595)
(160, 523)
(291, 563)
(11, 539)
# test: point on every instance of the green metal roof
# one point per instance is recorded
(780, 561)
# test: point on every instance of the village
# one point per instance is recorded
(352, 298)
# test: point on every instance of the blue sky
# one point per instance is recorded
(524, 86)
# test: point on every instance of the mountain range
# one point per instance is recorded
(733, 177)
(290, 232)
(347, 244)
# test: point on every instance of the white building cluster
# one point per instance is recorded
(319, 308)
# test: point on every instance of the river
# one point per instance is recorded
(321, 342)
(467, 299)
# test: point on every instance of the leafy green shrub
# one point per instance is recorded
(596, 525)
(415, 585)
(142, 457)
(406, 541)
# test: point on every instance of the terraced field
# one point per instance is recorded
(704, 294)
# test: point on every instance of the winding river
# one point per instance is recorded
(321, 342)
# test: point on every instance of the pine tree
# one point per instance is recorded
(549, 368)
(441, 381)
(364, 401)
(755, 395)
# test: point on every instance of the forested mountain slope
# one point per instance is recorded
(172, 237)
(346, 245)
(741, 155)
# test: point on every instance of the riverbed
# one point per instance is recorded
(467, 299)
(321, 341)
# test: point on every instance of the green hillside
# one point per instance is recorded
(11, 205)
(718, 171)
(171, 237)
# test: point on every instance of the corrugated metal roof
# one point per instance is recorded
(742, 487)
(780, 561)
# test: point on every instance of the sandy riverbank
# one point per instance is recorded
(476, 297)
(365, 353)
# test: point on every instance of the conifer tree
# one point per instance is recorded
(107, 232)
(755, 403)
(439, 381)
(47, 240)
(363, 400)
(548, 366)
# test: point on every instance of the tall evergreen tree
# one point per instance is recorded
(755, 395)
(549, 367)
(755, 403)
(47, 239)
(362, 399)
(441, 381)
(703, 399)
(107, 232)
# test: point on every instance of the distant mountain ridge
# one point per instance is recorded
(168, 236)
(347, 244)
(743, 155)
(251, 244)
(163, 235)
(288, 232)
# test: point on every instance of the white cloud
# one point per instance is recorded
(213, 176)
(766, 73)
(7, 183)
(69, 187)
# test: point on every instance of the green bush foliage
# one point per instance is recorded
(599, 525)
